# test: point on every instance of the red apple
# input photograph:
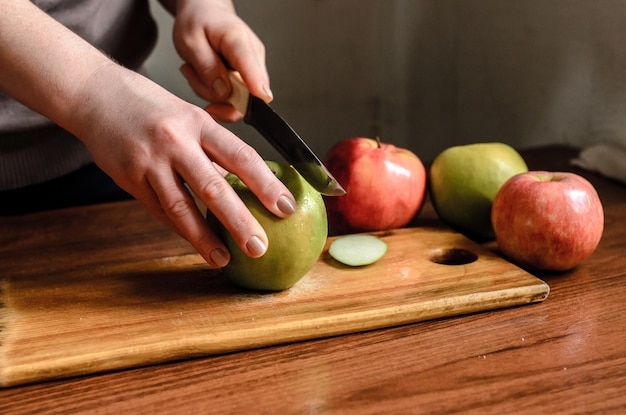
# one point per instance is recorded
(547, 220)
(385, 185)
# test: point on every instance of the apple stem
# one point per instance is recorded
(378, 141)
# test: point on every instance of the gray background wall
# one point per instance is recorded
(428, 74)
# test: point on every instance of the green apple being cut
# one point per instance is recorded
(465, 179)
(295, 243)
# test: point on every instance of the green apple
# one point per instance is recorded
(295, 243)
(465, 179)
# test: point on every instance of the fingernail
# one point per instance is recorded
(219, 257)
(268, 93)
(220, 88)
(286, 205)
(256, 247)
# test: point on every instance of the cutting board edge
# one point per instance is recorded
(376, 319)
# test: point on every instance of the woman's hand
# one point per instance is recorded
(152, 143)
(208, 36)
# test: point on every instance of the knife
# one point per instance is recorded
(283, 138)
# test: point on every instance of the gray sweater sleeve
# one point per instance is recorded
(32, 148)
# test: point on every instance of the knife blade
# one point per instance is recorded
(283, 138)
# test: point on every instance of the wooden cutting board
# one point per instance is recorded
(78, 319)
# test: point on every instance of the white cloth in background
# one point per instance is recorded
(607, 159)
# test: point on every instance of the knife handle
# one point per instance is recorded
(240, 96)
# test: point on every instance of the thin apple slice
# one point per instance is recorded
(357, 250)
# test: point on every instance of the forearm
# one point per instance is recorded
(152, 143)
(44, 65)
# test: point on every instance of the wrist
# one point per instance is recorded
(96, 99)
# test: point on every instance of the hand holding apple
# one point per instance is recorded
(547, 220)
(385, 185)
(295, 243)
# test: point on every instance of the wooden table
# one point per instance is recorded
(564, 355)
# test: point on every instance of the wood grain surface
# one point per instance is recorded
(73, 320)
(565, 355)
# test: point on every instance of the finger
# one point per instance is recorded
(205, 71)
(142, 191)
(217, 257)
(179, 210)
(210, 94)
(224, 112)
(238, 157)
(214, 191)
(246, 53)
(222, 171)
(195, 83)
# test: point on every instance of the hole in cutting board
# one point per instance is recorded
(453, 256)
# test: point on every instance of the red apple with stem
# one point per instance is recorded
(385, 185)
(547, 220)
